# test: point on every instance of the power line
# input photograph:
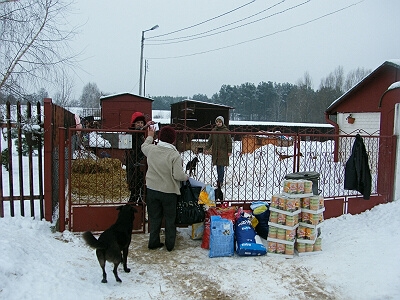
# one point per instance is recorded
(264, 36)
(272, 6)
(198, 24)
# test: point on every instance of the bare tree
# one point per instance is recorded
(34, 38)
(65, 86)
(304, 99)
(354, 77)
(335, 80)
(90, 97)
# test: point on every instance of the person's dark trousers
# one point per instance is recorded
(161, 205)
(221, 173)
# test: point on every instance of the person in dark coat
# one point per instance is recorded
(357, 173)
(135, 159)
(221, 148)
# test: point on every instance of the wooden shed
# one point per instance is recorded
(117, 109)
(194, 114)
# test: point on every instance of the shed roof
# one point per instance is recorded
(393, 63)
(202, 102)
(121, 94)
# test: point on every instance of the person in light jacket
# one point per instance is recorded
(221, 148)
(163, 180)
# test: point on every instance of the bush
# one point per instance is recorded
(5, 158)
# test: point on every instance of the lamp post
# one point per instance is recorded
(141, 59)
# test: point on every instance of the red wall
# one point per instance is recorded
(388, 102)
(116, 111)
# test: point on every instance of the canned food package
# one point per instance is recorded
(291, 204)
(289, 249)
(301, 247)
(321, 202)
(274, 201)
(290, 235)
(290, 221)
(318, 244)
(273, 217)
(272, 232)
(300, 186)
(310, 234)
(281, 219)
(282, 203)
(308, 186)
(309, 247)
(281, 234)
(280, 248)
(272, 247)
(301, 232)
(305, 202)
(305, 217)
(314, 202)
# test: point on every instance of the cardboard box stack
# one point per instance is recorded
(295, 218)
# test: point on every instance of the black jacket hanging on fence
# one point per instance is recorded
(357, 174)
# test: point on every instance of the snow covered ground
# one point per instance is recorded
(359, 260)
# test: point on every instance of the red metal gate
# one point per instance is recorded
(255, 173)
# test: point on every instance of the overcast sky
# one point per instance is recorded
(247, 41)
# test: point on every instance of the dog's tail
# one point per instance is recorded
(92, 241)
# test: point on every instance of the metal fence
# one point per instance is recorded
(89, 166)
(21, 174)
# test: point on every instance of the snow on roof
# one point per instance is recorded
(393, 62)
(202, 102)
(120, 94)
(394, 85)
(265, 123)
(163, 117)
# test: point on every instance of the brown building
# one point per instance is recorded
(192, 114)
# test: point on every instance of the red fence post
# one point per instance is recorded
(48, 154)
(61, 178)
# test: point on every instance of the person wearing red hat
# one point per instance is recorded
(135, 159)
(163, 180)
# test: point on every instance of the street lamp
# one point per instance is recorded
(141, 59)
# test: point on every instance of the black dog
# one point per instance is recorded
(191, 166)
(219, 196)
(112, 241)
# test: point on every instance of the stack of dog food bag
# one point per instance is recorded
(287, 221)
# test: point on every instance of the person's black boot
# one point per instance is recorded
(132, 197)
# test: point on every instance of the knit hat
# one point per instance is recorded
(167, 134)
(137, 116)
(220, 118)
